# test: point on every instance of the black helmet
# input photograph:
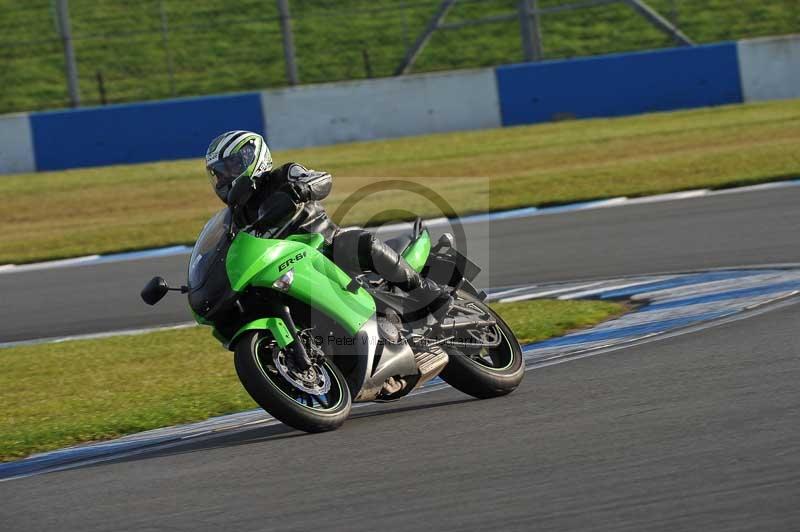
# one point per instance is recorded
(234, 155)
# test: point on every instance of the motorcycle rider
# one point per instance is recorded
(240, 168)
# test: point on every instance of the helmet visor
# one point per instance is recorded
(224, 171)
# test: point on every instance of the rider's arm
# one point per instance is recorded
(304, 184)
(276, 211)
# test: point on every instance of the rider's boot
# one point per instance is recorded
(440, 297)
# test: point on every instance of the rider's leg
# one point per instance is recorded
(375, 255)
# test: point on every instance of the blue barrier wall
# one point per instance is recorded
(620, 84)
(133, 133)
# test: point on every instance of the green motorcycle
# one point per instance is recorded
(310, 339)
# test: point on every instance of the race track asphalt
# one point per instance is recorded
(696, 432)
(737, 229)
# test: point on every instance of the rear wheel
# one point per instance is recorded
(486, 372)
(316, 400)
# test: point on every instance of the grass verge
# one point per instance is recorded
(100, 210)
(60, 394)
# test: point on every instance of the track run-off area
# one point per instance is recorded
(692, 431)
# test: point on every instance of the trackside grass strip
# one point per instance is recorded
(59, 394)
(100, 210)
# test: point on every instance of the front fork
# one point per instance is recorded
(283, 330)
(296, 349)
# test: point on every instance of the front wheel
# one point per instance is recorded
(317, 400)
(486, 372)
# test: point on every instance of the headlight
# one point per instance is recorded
(284, 281)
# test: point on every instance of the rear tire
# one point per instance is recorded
(276, 395)
(474, 375)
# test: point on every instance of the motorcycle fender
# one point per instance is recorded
(469, 288)
(276, 326)
(418, 251)
(451, 267)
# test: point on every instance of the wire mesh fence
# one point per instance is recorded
(133, 50)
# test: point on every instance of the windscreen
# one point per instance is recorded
(212, 241)
(210, 293)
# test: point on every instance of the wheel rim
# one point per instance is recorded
(498, 358)
(272, 361)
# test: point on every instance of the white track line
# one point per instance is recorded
(95, 336)
(533, 295)
(608, 288)
(755, 188)
(502, 293)
(686, 194)
(600, 204)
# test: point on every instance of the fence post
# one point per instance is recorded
(423, 38)
(653, 17)
(101, 88)
(529, 30)
(62, 12)
(673, 18)
(367, 63)
(167, 50)
(288, 42)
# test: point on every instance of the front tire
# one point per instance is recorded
(486, 372)
(254, 360)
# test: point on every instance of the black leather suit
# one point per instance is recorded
(291, 188)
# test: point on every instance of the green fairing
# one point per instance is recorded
(220, 337)
(200, 319)
(417, 253)
(318, 282)
(275, 325)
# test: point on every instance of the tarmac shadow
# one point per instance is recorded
(261, 434)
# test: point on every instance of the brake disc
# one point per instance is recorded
(315, 380)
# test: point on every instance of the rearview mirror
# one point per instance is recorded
(154, 290)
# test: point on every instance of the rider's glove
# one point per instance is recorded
(307, 185)
(299, 192)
